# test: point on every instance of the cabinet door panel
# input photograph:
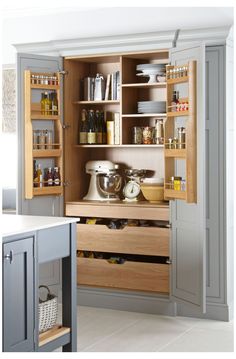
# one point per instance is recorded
(48, 205)
(18, 299)
(188, 279)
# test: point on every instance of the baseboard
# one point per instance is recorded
(122, 300)
(215, 311)
(148, 303)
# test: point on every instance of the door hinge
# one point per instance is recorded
(168, 261)
(66, 183)
(63, 72)
(66, 126)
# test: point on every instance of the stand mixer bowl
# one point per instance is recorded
(109, 184)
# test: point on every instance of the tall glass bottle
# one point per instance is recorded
(98, 120)
(54, 103)
(83, 133)
(104, 128)
(91, 128)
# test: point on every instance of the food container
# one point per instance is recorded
(147, 135)
(137, 135)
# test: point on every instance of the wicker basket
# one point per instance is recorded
(47, 311)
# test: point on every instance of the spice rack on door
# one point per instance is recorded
(188, 153)
(39, 82)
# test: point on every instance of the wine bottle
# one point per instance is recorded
(91, 128)
(104, 128)
(98, 127)
(83, 133)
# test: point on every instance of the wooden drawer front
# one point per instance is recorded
(135, 240)
(121, 210)
(130, 275)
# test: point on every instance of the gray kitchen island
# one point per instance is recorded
(28, 241)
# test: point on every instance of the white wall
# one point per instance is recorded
(90, 22)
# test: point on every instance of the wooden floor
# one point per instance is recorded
(105, 330)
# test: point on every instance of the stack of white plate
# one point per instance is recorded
(153, 71)
(151, 107)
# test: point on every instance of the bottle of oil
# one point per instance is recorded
(83, 133)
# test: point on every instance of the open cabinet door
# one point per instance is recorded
(42, 205)
(188, 282)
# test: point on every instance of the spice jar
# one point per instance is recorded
(48, 139)
(181, 137)
(41, 140)
(35, 139)
(172, 182)
(177, 183)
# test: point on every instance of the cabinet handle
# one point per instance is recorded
(9, 256)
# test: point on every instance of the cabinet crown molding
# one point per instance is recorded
(125, 43)
(210, 36)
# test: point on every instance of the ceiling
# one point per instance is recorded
(90, 21)
(54, 22)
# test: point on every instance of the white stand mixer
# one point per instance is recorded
(104, 182)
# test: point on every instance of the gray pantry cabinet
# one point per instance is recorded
(23, 251)
(201, 241)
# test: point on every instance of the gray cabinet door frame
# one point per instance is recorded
(18, 296)
(188, 278)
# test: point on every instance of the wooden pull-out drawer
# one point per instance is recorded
(136, 240)
(129, 275)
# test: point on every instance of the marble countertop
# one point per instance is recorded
(17, 224)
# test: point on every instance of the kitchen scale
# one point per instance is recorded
(132, 187)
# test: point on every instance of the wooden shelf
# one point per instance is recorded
(176, 153)
(103, 102)
(177, 113)
(45, 87)
(47, 153)
(120, 146)
(56, 332)
(146, 85)
(47, 191)
(171, 193)
(179, 80)
(131, 115)
(39, 116)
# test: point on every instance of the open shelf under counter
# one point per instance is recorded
(48, 191)
(175, 153)
(120, 146)
(103, 102)
(146, 85)
(56, 332)
(118, 209)
(136, 115)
